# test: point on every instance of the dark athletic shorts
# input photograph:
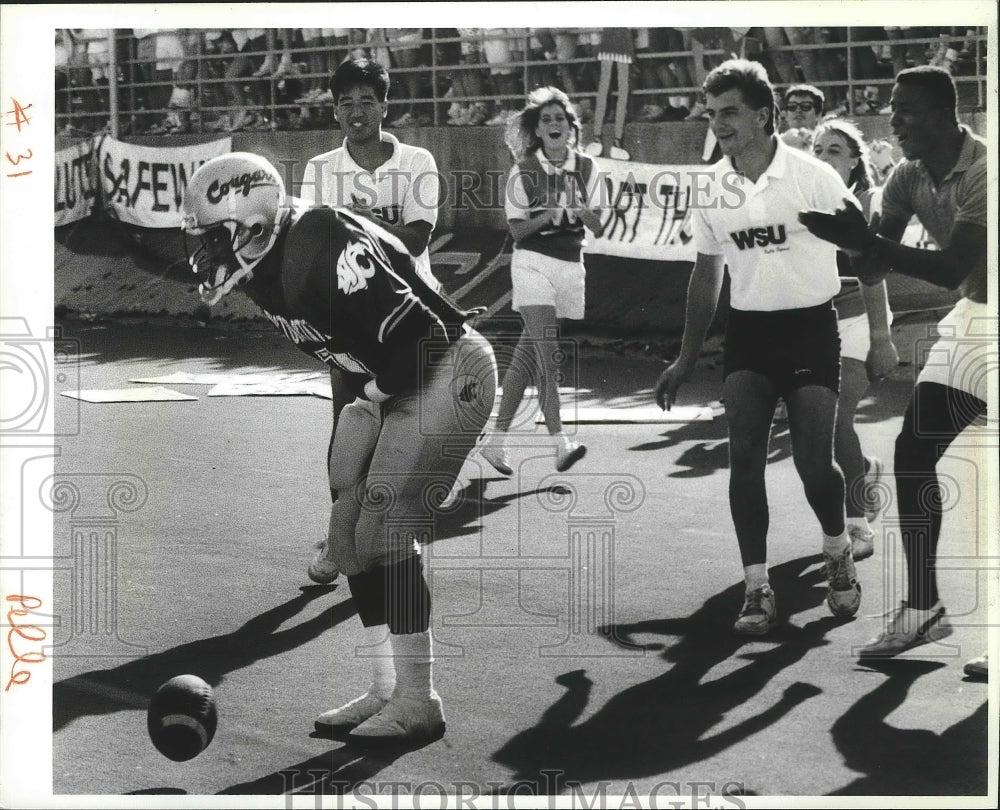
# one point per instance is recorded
(791, 347)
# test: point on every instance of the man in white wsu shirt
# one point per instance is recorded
(781, 337)
(372, 173)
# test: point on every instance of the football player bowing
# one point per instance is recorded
(412, 388)
(781, 338)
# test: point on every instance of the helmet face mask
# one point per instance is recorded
(213, 254)
(233, 209)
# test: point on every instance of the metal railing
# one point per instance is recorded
(132, 98)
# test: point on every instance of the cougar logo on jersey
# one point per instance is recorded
(759, 237)
(355, 265)
(240, 184)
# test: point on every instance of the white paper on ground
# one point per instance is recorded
(643, 414)
(314, 388)
(144, 394)
(215, 378)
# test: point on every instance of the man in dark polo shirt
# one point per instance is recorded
(943, 182)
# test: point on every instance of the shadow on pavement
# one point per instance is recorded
(709, 452)
(666, 723)
(910, 761)
(131, 685)
(339, 772)
(473, 505)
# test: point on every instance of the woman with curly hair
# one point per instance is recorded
(550, 198)
(866, 347)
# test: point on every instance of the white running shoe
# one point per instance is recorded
(322, 570)
(594, 148)
(908, 628)
(843, 592)
(351, 714)
(452, 497)
(617, 153)
(874, 503)
(978, 668)
(403, 719)
(862, 543)
(498, 457)
(759, 613)
(568, 452)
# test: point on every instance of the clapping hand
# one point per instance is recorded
(847, 227)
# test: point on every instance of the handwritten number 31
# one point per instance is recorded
(28, 632)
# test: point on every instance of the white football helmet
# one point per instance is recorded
(231, 215)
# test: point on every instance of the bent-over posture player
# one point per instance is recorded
(943, 181)
(781, 338)
(412, 387)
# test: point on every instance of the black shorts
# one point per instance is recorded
(791, 347)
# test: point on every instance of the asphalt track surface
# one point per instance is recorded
(582, 620)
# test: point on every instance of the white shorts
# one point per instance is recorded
(855, 336)
(963, 356)
(540, 280)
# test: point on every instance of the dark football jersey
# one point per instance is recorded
(347, 292)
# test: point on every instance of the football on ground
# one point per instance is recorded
(182, 717)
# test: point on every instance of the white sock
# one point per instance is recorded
(861, 523)
(413, 658)
(834, 546)
(377, 645)
(755, 576)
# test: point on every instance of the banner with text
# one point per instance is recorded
(145, 184)
(646, 209)
(75, 181)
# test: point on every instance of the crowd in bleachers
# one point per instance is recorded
(198, 80)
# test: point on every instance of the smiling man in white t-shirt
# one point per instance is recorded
(372, 173)
(781, 338)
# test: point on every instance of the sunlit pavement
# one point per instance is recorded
(582, 620)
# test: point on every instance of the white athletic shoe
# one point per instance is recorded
(759, 613)
(873, 497)
(322, 570)
(617, 153)
(862, 543)
(594, 148)
(978, 668)
(404, 719)
(568, 452)
(908, 628)
(498, 457)
(351, 714)
(843, 592)
(452, 497)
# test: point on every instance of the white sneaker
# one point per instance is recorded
(452, 497)
(594, 148)
(862, 543)
(568, 452)
(351, 714)
(908, 628)
(978, 668)
(322, 570)
(497, 456)
(872, 494)
(617, 153)
(843, 592)
(403, 719)
(759, 613)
